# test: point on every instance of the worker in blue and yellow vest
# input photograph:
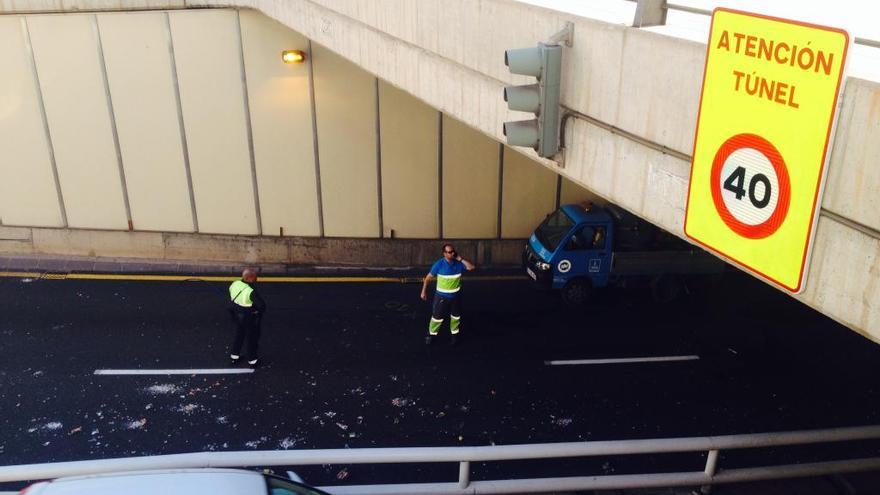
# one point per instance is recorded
(447, 296)
(247, 311)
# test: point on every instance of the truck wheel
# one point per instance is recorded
(665, 288)
(576, 292)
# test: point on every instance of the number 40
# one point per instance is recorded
(735, 182)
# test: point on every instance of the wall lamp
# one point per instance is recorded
(293, 56)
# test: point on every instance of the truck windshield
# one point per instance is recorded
(553, 229)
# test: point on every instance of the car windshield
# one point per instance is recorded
(553, 229)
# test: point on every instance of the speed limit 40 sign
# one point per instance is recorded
(767, 111)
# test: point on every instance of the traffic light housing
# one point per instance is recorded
(543, 62)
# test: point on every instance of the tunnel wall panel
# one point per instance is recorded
(572, 192)
(345, 98)
(78, 114)
(409, 133)
(470, 182)
(207, 52)
(31, 198)
(281, 117)
(529, 194)
(138, 57)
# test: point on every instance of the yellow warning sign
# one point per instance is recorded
(770, 90)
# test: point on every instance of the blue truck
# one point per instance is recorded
(580, 248)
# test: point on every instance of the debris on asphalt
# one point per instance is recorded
(188, 408)
(255, 443)
(165, 388)
(288, 443)
(137, 424)
(563, 422)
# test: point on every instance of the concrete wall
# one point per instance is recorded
(176, 247)
(187, 121)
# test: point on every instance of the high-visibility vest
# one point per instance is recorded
(240, 293)
(448, 284)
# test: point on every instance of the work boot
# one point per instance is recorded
(429, 340)
(254, 363)
(454, 339)
(233, 359)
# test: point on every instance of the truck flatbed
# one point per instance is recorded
(648, 263)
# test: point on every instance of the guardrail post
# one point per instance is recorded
(464, 474)
(711, 467)
(711, 463)
(650, 13)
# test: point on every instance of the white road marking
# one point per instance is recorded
(203, 371)
(622, 360)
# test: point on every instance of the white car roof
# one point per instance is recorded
(170, 482)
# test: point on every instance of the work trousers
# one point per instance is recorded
(247, 328)
(445, 306)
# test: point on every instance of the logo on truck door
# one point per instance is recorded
(595, 265)
(564, 266)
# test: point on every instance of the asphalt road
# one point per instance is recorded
(346, 366)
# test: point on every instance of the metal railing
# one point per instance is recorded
(464, 456)
(653, 13)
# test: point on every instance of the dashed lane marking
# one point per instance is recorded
(203, 371)
(657, 359)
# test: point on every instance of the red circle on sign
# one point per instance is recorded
(772, 224)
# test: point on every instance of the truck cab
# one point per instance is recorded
(571, 242)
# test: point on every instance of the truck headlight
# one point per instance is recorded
(542, 266)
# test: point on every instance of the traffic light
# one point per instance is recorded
(544, 62)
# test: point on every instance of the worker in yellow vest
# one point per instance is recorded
(247, 311)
